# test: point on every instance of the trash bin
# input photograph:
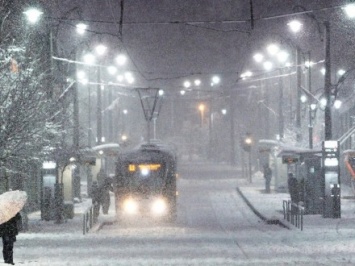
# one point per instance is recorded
(68, 209)
(46, 204)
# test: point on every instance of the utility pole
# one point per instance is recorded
(281, 115)
(327, 85)
(76, 146)
(99, 107)
(110, 115)
(232, 129)
(298, 102)
(310, 111)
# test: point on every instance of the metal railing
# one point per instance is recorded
(293, 213)
(89, 219)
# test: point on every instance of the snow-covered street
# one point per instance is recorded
(214, 227)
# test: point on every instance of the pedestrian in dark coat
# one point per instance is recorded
(105, 194)
(267, 176)
(293, 188)
(95, 197)
(8, 231)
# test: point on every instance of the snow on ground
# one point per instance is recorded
(228, 238)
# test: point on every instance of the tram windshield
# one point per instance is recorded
(145, 177)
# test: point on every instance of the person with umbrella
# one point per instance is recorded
(11, 203)
(8, 231)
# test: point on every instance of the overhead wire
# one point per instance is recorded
(197, 24)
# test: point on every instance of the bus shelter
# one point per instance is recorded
(306, 166)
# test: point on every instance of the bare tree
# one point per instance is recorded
(29, 118)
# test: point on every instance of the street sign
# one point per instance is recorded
(288, 159)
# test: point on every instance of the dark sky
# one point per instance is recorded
(169, 38)
(170, 41)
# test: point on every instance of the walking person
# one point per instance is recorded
(267, 176)
(105, 194)
(8, 231)
(96, 198)
(293, 188)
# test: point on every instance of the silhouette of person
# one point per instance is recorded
(8, 231)
(267, 176)
(293, 188)
(96, 197)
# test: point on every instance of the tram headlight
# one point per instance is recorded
(145, 171)
(130, 206)
(159, 206)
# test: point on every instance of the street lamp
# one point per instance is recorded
(258, 57)
(33, 15)
(100, 50)
(327, 80)
(350, 10)
(215, 80)
(201, 107)
(295, 25)
(247, 144)
(81, 28)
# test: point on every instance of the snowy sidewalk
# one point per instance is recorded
(270, 207)
(73, 226)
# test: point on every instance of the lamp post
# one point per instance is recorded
(282, 56)
(100, 50)
(89, 59)
(33, 15)
(247, 144)
(327, 85)
(311, 109)
(327, 75)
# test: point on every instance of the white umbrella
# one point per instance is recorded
(11, 202)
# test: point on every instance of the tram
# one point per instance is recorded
(145, 182)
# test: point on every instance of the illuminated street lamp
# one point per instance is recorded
(295, 25)
(215, 80)
(267, 65)
(273, 49)
(81, 28)
(201, 108)
(258, 57)
(246, 74)
(33, 15)
(100, 49)
(197, 82)
(89, 59)
(350, 10)
(187, 84)
(337, 104)
(121, 59)
(247, 145)
(327, 82)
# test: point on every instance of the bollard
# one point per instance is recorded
(88, 220)
(293, 213)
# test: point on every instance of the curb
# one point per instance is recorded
(257, 213)
(98, 226)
